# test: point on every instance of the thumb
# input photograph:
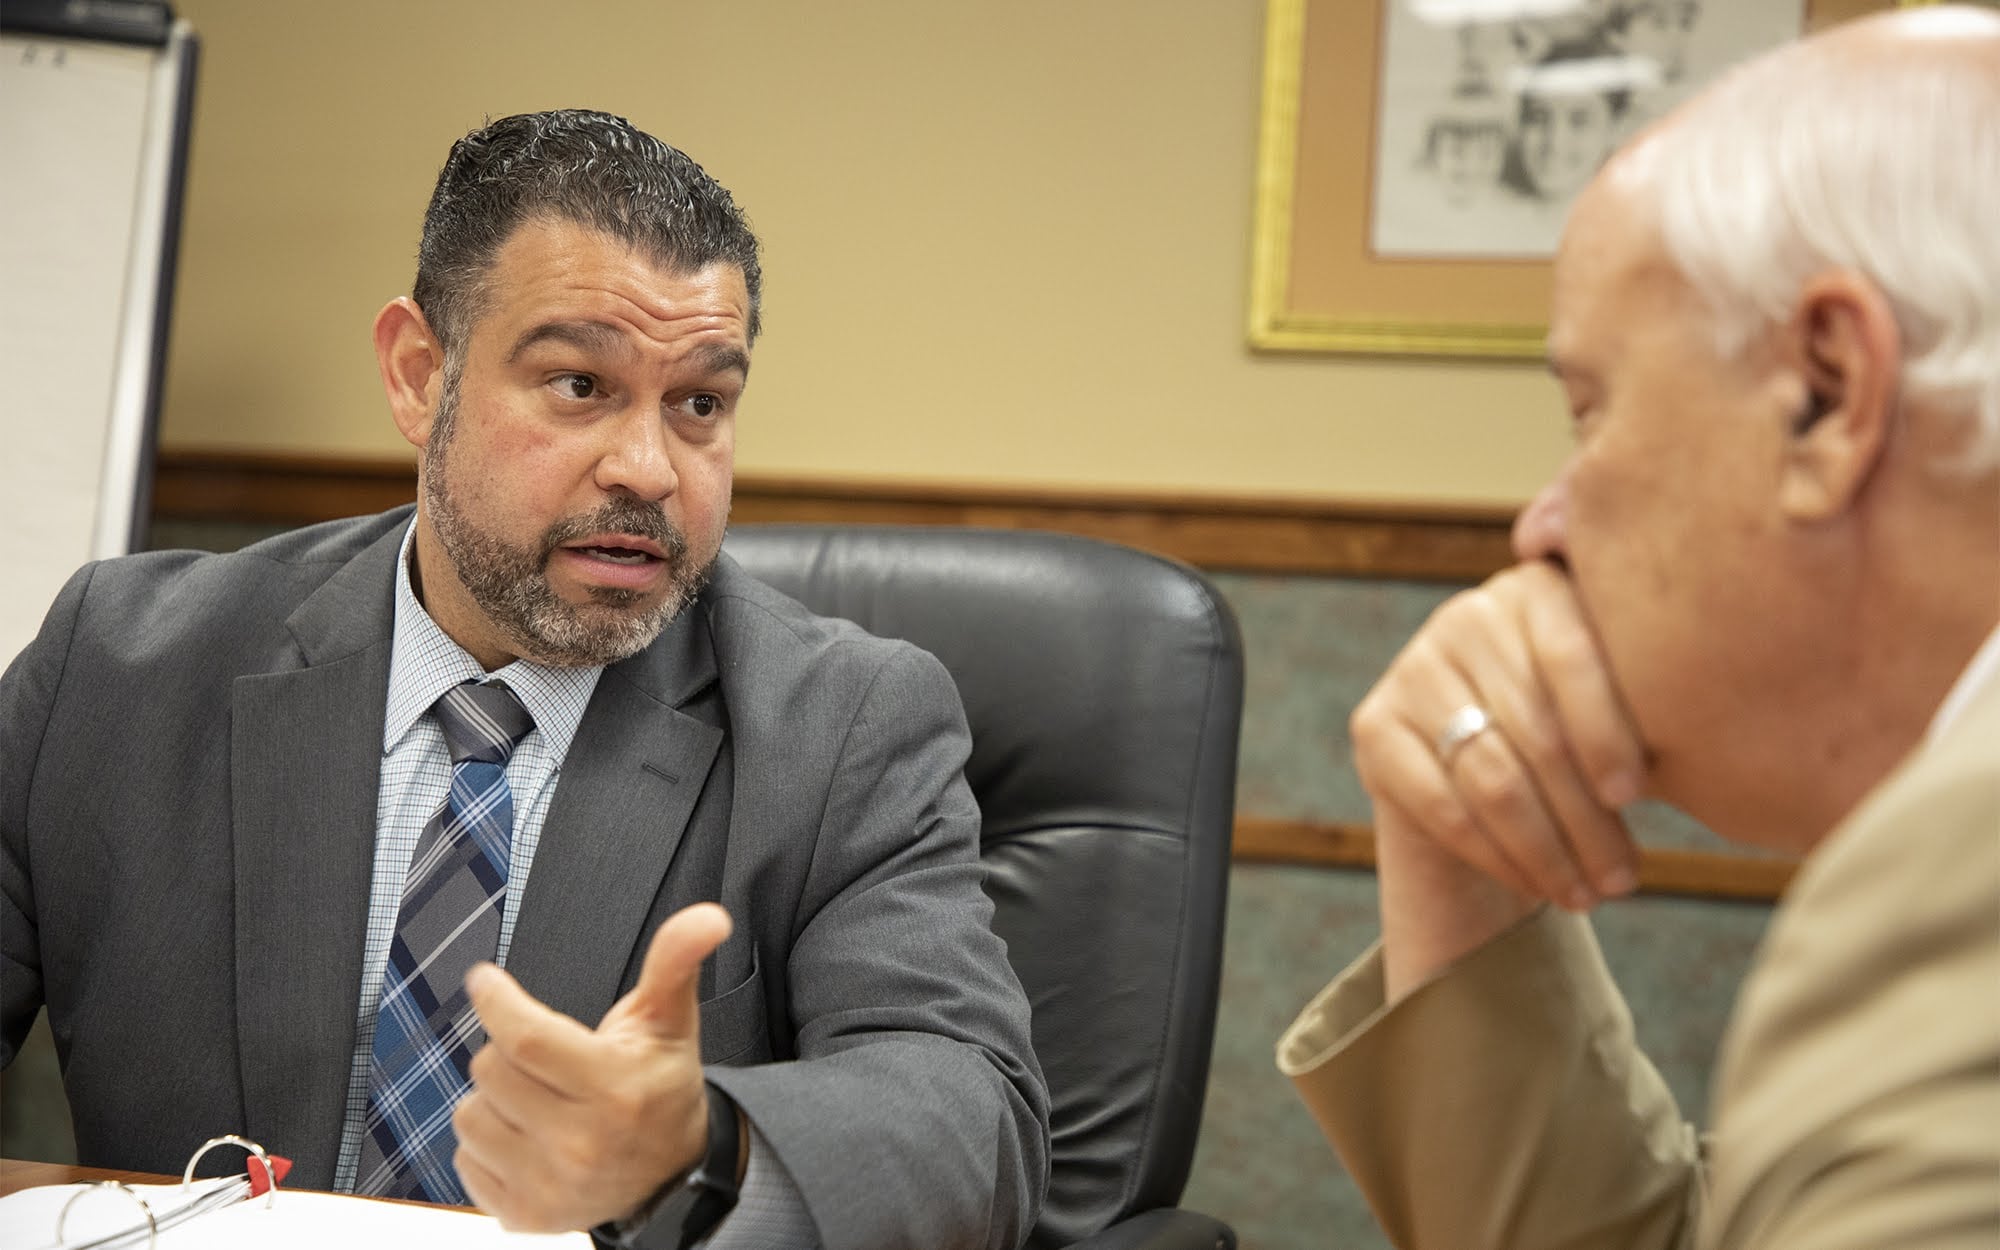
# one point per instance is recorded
(663, 1002)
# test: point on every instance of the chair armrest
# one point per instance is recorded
(1167, 1228)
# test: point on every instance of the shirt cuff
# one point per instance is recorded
(1354, 1002)
(770, 1211)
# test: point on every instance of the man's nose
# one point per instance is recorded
(1541, 531)
(640, 460)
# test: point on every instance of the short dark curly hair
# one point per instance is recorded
(573, 165)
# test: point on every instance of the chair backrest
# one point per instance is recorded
(1104, 688)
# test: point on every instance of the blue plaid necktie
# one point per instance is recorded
(426, 1031)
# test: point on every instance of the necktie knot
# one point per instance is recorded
(482, 722)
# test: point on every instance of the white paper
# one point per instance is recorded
(299, 1220)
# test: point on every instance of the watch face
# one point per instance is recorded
(689, 1210)
(678, 1203)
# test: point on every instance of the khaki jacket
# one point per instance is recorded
(1857, 1102)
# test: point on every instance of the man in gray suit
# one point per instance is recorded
(233, 876)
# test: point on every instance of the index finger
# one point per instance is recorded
(1527, 784)
(539, 1040)
(1575, 673)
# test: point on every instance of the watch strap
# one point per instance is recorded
(697, 1199)
(715, 1179)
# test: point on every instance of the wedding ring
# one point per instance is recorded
(1465, 724)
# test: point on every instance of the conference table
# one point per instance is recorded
(17, 1174)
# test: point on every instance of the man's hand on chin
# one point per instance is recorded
(567, 1127)
(1519, 806)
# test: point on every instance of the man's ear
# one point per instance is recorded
(1846, 351)
(412, 364)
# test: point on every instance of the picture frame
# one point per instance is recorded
(1319, 283)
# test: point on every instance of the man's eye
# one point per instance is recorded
(704, 405)
(575, 385)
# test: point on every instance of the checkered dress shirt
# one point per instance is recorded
(416, 774)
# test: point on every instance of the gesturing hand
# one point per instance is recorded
(566, 1127)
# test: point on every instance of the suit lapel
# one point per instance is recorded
(306, 750)
(621, 806)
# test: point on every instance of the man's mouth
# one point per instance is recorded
(618, 555)
(619, 548)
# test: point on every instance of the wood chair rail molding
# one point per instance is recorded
(1259, 535)
(1457, 543)
(1662, 870)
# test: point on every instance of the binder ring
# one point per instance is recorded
(229, 1139)
(152, 1225)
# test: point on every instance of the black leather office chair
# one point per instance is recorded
(1104, 688)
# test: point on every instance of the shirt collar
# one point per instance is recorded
(424, 663)
(1981, 673)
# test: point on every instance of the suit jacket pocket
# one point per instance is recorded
(734, 1030)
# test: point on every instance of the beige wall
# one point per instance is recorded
(1006, 242)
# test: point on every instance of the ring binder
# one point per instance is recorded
(213, 1213)
(152, 1225)
(262, 1172)
(269, 1188)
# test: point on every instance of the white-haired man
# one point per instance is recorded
(1765, 587)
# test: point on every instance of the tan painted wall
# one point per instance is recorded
(1006, 242)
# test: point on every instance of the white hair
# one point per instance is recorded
(1887, 165)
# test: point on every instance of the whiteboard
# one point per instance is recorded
(93, 145)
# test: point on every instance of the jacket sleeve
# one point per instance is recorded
(1503, 1104)
(27, 698)
(915, 1114)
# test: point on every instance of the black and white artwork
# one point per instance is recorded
(1493, 114)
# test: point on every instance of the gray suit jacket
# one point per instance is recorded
(189, 757)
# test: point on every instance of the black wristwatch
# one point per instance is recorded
(693, 1203)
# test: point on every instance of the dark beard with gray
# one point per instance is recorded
(511, 586)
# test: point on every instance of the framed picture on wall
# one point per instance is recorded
(1417, 157)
